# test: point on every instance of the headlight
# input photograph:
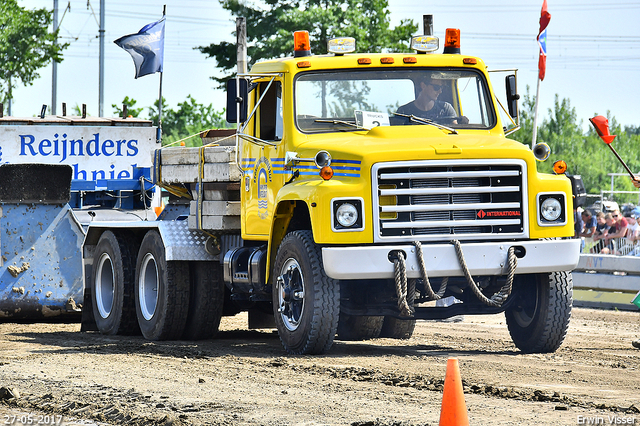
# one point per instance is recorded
(347, 215)
(551, 209)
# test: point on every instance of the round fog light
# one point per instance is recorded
(347, 215)
(550, 209)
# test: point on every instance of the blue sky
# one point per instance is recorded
(593, 51)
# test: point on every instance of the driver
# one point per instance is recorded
(427, 104)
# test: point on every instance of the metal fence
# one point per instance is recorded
(616, 246)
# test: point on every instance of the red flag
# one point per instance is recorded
(542, 66)
(545, 17)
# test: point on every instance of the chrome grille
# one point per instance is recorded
(433, 200)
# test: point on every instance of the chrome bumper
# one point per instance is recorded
(371, 262)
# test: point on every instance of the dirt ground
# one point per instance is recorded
(243, 377)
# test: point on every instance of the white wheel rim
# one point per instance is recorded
(148, 286)
(104, 286)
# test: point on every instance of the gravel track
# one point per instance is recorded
(244, 377)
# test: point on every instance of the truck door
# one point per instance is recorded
(261, 158)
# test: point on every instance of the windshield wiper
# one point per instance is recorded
(421, 120)
(345, 123)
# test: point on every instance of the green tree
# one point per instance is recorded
(526, 110)
(270, 29)
(190, 118)
(26, 45)
(131, 111)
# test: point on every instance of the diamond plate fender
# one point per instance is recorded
(182, 243)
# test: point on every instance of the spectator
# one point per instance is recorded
(607, 243)
(636, 183)
(578, 224)
(633, 228)
(601, 230)
(590, 224)
(618, 229)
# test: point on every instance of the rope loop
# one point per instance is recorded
(400, 270)
(406, 290)
(501, 296)
(425, 277)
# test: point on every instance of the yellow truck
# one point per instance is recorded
(359, 193)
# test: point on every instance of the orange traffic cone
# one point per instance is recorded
(454, 410)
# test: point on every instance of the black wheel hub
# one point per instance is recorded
(291, 295)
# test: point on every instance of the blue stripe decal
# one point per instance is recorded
(347, 168)
(280, 172)
(347, 161)
(309, 169)
(315, 167)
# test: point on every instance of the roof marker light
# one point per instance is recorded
(452, 41)
(386, 60)
(304, 64)
(410, 60)
(301, 46)
(425, 43)
(341, 45)
(364, 61)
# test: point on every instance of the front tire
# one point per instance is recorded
(539, 317)
(113, 300)
(306, 302)
(162, 291)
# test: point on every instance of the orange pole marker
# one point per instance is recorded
(158, 210)
(454, 410)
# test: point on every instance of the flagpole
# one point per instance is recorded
(545, 17)
(159, 131)
(535, 117)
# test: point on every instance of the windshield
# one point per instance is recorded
(351, 100)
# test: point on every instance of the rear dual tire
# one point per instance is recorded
(394, 328)
(351, 327)
(112, 296)
(162, 291)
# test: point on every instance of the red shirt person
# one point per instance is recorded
(619, 227)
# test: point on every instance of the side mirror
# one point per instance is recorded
(512, 95)
(237, 95)
(579, 192)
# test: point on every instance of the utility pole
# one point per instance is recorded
(54, 68)
(241, 41)
(427, 23)
(101, 72)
